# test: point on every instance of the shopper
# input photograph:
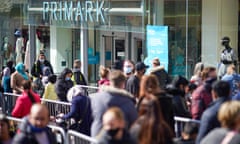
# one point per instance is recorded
(202, 97)
(80, 110)
(112, 96)
(5, 132)
(209, 121)
(18, 77)
(233, 79)
(25, 101)
(149, 86)
(228, 116)
(128, 68)
(178, 90)
(78, 77)
(114, 128)
(39, 65)
(161, 73)
(104, 76)
(63, 84)
(197, 74)
(34, 129)
(150, 127)
(49, 92)
(133, 82)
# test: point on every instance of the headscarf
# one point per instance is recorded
(21, 70)
(75, 91)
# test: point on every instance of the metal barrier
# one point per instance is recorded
(90, 89)
(58, 131)
(8, 102)
(56, 107)
(74, 137)
(180, 122)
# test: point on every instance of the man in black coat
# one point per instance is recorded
(38, 66)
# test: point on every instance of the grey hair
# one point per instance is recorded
(76, 90)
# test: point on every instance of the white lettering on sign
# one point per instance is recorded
(74, 11)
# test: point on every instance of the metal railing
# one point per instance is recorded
(180, 123)
(74, 137)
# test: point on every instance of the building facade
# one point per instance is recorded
(103, 31)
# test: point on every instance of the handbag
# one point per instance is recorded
(77, 125)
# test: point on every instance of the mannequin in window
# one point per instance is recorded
(6, 50)
(19, 46)
(228, 57)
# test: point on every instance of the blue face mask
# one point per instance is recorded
(127, 70)
(37, 130)
(67, 78)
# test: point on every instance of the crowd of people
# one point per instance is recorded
(130, 106)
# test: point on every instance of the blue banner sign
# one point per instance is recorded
(157, 45)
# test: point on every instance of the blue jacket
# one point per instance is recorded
(111, 97)
(81, 110)
(233, 80)
(209, 119)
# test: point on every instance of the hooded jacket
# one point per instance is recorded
(162, 76)
(62, 85)
(111, 97)
(26, 135)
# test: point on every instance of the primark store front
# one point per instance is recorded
(103, 31)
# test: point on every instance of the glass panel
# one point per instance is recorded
(184, 35)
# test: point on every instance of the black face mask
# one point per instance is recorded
(113, 132)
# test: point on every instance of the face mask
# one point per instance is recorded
(113, 132)
(67, 78)
(41, 60)
(127, 70)
(37, 130)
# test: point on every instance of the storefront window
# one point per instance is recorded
(184, 21)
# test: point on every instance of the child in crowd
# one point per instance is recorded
(49, 92)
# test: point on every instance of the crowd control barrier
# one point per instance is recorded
(90, 89)
(58, 131)
(56, 107)
(180, 122)
(74, 137)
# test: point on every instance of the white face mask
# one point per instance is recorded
(41, 60)
(127, 70)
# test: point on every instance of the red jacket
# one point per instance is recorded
(24, 104)
(201, 98)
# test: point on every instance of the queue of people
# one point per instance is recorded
(130, 105)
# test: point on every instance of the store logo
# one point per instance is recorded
(74, 11)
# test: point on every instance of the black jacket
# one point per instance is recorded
(26, 135)
(162, 76)
(62, 86)
(36, 69)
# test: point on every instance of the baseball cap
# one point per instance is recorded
(140, 66)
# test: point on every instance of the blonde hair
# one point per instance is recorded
(117, 112)
(228, 114)
(103, 71)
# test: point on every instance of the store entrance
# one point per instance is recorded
(114, 47)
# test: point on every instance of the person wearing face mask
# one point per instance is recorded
(34, 129)
(133, 82)
(128, 68)
(63, 84)
(228, 57)
(113, 131)
(39, 65)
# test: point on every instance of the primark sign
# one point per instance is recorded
(74, 11)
